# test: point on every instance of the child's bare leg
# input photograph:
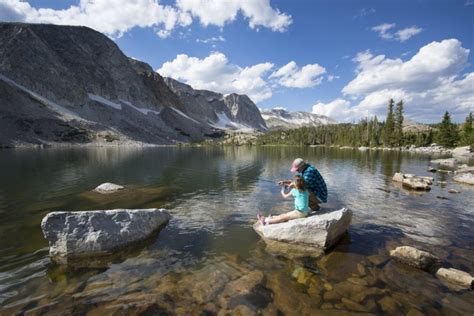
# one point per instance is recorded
(278, 219)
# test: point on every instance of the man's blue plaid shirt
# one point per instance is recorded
(315, 182)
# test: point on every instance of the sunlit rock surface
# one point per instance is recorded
(467, 178)
(463, 152)
(321, 231)
(78, 234)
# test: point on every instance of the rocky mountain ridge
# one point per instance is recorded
(69, 84)
(279, 118)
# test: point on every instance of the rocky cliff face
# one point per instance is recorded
(72, 84)
(281, 119)
(233, 112)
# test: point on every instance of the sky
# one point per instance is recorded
(341, 58)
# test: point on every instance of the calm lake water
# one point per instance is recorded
(208, 259)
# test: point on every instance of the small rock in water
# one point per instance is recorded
(460, 279)
(416, 258)
(108, 187)
(79, 234)
(467, 178)
(413, 182)
(449, 162)
(431, 169)
(453, 191)
(441, 197)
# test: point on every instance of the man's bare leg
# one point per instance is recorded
(313, 202)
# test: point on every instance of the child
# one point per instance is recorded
(301, 195)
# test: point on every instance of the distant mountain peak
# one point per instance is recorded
(281, 118)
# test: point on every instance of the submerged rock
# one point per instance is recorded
(467, 178)
(413, 182)
(108, 187)
(320, 231)
(79, 234)
(416, 258)
(455, 279)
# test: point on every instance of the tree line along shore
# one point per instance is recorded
(370, 132)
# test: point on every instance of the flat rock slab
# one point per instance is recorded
(79, 234)
(108, 187)
(319, 231)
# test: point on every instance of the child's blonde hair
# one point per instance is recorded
(299, 183)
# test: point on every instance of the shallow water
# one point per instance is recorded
(208, 258)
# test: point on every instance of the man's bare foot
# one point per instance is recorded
(261, 219)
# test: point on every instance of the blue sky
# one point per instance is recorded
(357, 54)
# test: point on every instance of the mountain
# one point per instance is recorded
(69, 84)
(231, 112)
(279, 118)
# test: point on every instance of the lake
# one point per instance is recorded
(208, 258)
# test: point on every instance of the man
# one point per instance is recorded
(318, 192)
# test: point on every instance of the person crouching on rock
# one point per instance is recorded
(301, 195)
(318, 192)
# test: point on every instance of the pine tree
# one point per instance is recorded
(389, 125)
(398, 137)
(468, 132)
(448, 134)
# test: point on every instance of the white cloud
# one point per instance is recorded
(364, 12)
(400, 35)
(292, 76)
(218, 12)
(430, 83)
(338, 109)
(213, 39)
(116, 17)
(433, 61)
(112, 17)
(405, 34)
(332, 77)
(382, 29)
(215, 73)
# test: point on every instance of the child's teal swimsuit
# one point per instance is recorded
(301, 200)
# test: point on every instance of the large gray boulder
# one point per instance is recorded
(79, 234)
(319, 231)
